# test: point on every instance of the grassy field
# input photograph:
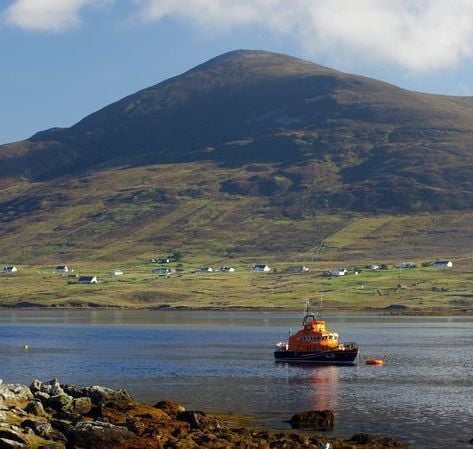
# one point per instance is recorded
(124, 218)
(423, 289)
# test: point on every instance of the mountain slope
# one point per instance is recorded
(302, 136)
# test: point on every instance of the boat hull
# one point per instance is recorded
(329, 357)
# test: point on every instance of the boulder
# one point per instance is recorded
(59, 402)
(41, 396)
(313, 420)
(35, 408)
(43, 429)
(199, 420)
(5, 443)
(81, 405)
(72, 390)
(15, 392)
(172, 408)
(11, 434)
(103, 395)
(98, 435)
(53, 387)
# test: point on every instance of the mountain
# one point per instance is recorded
(294, 132)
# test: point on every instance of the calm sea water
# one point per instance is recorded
(222, 362)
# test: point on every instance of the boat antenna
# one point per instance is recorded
(307, 303)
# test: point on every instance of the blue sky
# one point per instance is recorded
(64, 59)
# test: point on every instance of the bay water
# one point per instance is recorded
(222, 361)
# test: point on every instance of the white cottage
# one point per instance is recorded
(10, 269)
(339, 272)
(443, 264)
(88, 280)
(62, 269)
(261, 268)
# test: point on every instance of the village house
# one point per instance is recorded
(339, 272)
(205, 270)
(443, 264)
(227, 269)
(118, 272)
(10, 269)
(162, 271)
(62, 269)
(407, 265)
(88, 280)
(261, 268)
(374, 267)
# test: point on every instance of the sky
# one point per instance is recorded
(61, 60)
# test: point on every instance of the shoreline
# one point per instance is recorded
(383, 311)
(59, 416)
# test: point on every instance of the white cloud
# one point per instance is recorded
(46, 15)
(419, 35)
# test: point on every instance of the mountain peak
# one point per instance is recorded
(318, 136)
(262, 62)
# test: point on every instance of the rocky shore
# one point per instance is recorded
(50, 415)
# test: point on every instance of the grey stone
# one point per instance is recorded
(42, 396)
(72, 390)
(53, 387)
(313, 420)
(81, 406)
(11, 435)
(97, 434)
(101, 395)
(35, 408)
(199, 420)
(15, 391)
(59, 402)
(5, 443)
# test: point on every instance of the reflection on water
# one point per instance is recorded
(222, 361)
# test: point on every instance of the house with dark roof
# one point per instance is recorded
(88, 280)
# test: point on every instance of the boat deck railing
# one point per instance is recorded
(349, 346)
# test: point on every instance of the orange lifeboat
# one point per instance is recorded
(377, 362)
(314, 343)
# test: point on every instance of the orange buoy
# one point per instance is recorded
(377, 362)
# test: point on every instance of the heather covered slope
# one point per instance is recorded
(300, 137)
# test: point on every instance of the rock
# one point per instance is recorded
(43, 429)
(72, 390)
(15, 392)
(53, 387)
(41, 396)
(99, 435)
(199, 420)
(68, 416)
(313, 420)
(81, 405)
(35, 408)
(17, 411)
(172, 408)
(10, 434)
(5, 443)
(59, 402)
(102, 395)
